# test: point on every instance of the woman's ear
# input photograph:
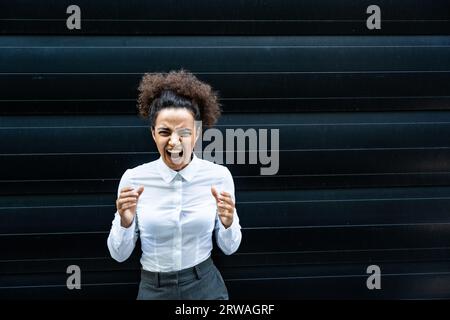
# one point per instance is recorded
(152, 129)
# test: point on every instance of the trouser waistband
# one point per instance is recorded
(173, 278)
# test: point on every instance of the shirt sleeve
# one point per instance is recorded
(228, 239)
(121, 241)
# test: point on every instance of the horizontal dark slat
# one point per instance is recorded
(322, 288)
(256, 183)
(76, 186)
(22, 135)
(299, 163)
(319, 259)
(242, 272)
(237, 42)
(259, 289)
(232, 274)
(222, 9)
(256, 240)
(238, 261)
(200, 55)
(262, 213)
(99, 291)
(393, 287)
(226, 17)
(251, 105)
(258, 85)
(339, 238)
(253, 196)
(344, 213)
(397, 281)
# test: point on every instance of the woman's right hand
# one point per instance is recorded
(126, 204)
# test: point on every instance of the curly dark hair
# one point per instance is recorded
(177, 89)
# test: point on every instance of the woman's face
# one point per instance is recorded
(175, 135)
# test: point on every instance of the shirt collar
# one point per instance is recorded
(187, 172)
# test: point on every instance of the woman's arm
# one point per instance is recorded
(121, 241)
(124, 231)
(228, 236)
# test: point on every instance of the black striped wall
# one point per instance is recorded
(364, 122)
(225, 17)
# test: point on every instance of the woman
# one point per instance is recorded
(176, 202)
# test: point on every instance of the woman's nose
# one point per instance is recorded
(174, 139)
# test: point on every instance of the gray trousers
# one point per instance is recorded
(202, 282)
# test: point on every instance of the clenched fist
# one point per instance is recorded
(126, 204)
(225, 207)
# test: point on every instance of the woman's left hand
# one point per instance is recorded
(225, 207)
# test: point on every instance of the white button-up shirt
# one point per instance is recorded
(175, 215)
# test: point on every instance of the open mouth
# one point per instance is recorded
(175, 155)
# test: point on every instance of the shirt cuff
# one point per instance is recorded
(228, 232)
(126, 233)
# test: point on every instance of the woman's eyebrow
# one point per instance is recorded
(163, 128)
